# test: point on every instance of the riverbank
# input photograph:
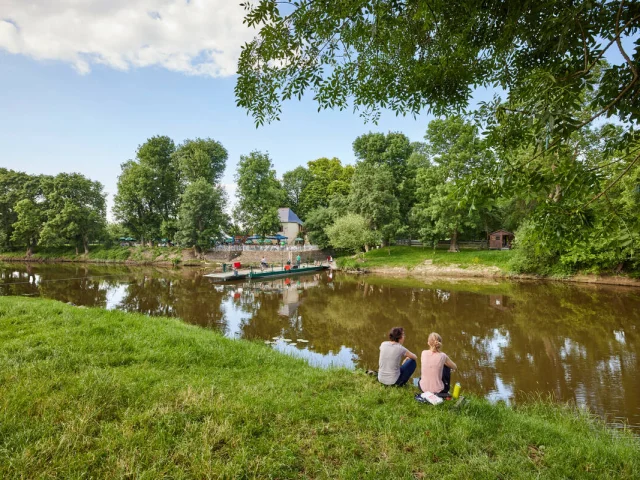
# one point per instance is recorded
(163, 256)
(400, 261)
(96, 393)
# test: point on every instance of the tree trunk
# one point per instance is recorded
(453, 246)
(85, 244)
(77, 250)
(366, 248)
(29, 250)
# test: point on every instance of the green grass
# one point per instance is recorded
(89, 393)
(409, 257)
(96, 253)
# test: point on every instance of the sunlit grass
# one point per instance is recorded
(89, 393)
(410, 257)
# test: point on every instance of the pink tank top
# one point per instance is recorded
(431, 365)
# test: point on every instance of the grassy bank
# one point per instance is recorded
(99, 253)
(92, 393)
(410, 257)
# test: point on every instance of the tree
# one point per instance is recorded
(372, 197)
(134, 204)
(294, 184)
(400, 55)
(76, 212)
(149, 188)
(328, 178)
(451, 192)
(352, 233)
(392, 150)
(26, 228)
(16, 186)
(259, 194)
(201, 216)
(201, 158)
(157, 153)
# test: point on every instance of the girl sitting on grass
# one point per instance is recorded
(435, 368)
(391, 369)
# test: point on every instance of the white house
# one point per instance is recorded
(290, 225)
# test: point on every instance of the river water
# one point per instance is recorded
(511, 340)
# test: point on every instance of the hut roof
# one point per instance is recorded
(502, 231)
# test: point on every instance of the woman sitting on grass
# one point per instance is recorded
(391, 369)
(435, 368)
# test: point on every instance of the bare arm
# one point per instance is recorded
(449, 363)
(410, 355)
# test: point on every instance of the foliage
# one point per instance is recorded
(76, 211)
(352, 233)
(372, 197)
(398, 55)
(28, 224)
(148, 190)
(201, 158)
(328, 179)
(259, 194)
(14, 187)
(294, 183)
(316, 225)
(451, 194)
(201, 214)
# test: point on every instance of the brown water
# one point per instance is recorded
(510, 340)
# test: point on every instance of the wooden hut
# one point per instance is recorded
(500, 239)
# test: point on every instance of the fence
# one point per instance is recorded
(479, 244)
(265, 248)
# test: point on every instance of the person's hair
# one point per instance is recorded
(396, 333)
(435, 341)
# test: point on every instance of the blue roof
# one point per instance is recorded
(287, 216)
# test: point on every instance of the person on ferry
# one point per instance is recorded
(396, 363)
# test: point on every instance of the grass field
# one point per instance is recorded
(89, 393)
(409, 257)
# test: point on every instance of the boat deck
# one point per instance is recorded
(256, 273)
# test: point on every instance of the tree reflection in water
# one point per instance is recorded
(509, 339)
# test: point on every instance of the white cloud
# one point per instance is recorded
(196, 37)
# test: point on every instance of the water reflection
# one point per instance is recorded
(509, 339)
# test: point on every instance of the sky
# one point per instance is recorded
(83, 84)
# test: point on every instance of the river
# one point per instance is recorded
(511, 340)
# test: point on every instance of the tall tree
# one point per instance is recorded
(372, 197)
(449, 193)
(134, 204)
(201, 216)
(328, 178)
(392, 149)
(157, 153)
(149, 190)
(259, 194)
(76, 211)
(201, 158)
(294, 184)
(26, 228)
(16, 186)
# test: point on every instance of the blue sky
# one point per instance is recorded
(58, 120)
(83, 84)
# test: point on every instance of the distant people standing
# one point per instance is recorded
(435, 368)
(391, 369)
(263, 263)
(298, 260)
